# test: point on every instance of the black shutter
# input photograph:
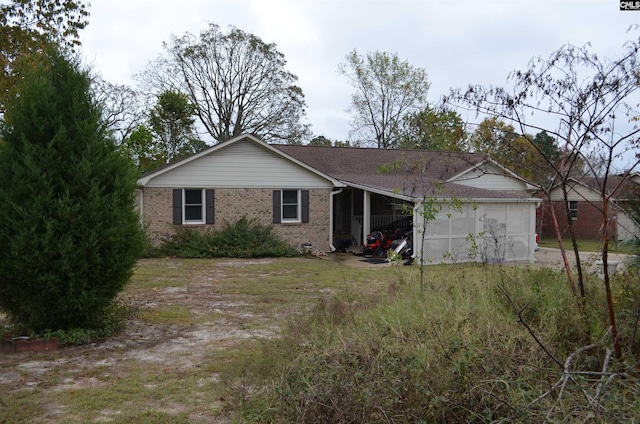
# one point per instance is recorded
(277, 205)
(177, 206)
(305, 205)
(210, 217)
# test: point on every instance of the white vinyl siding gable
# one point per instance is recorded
(577, 193)
(627, 228)
(242, 164)
(490, 178)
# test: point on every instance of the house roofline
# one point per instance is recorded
(378, 191)
(471, 199)
(579, 182)
(142, 181)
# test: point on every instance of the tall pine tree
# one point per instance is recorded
(69, 232)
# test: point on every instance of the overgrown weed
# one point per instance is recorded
(454, 351)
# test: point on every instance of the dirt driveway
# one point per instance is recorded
(551, 258)
(545, 257)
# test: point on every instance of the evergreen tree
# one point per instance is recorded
(69, 233)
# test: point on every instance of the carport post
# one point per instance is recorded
(366, 215)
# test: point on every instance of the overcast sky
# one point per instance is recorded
(458, 42)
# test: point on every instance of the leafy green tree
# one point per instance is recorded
(324, 141)
(492, 136)
(387, 88)
(320, 141)
(546, 144)
(432, 129)
(70, 233)
(237, 82)
(27, 26)
(140, 147)
(172, 124)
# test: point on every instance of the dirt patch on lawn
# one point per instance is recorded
(183, 314)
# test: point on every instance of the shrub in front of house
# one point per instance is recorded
(69, 233)
(244, 238)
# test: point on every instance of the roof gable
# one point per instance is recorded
(617, 187)
(350, 162)
(490, 174)
(245, 162)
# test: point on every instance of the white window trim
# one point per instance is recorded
(184, 207)
(299, 208)
(573, 211)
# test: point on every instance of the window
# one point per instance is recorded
(193, 206)
(290, 206)
(573, 209)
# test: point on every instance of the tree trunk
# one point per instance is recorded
(605, 271)
(563, 252)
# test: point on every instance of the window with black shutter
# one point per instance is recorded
(193, 206)
(290, 206)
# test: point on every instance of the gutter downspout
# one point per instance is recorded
(141, 205)
(333, 193)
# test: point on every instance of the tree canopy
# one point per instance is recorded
(387, 88)
(237, 83)
(172, 124)
(27, 26)
(433, 129)
(124, 108)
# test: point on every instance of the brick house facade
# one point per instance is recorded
(232, 204)
(585, 208)
(317, 195)
(586, 220)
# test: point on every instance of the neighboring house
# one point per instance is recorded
(584, 205)
(325, 195)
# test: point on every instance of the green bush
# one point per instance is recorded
(243, 239)
(69, 233)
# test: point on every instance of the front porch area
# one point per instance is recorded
(357, 213)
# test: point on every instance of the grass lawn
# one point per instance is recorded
(211, 339)
(194, 318)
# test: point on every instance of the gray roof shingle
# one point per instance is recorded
(413, 173)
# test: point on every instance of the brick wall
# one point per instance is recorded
(588, 224)
(157, 212)
(232, 204)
